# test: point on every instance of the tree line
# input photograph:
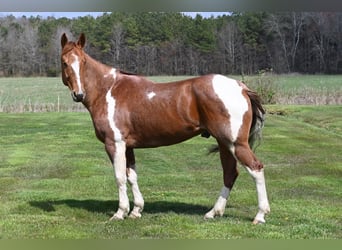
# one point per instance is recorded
(168, 43)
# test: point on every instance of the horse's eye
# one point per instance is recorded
(65, 65)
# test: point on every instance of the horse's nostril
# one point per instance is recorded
(78, 97)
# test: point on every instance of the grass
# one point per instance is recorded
(56, 181)
(35, 95)
(49, 94)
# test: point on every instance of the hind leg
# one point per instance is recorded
(133, 181)
(230, 173)
(245, 155)
(264, 207)
(255, 168)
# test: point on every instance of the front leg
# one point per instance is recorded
(117, 154)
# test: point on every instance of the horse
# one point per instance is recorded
(129, 111)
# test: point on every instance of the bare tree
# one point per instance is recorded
(228, 41)
(297, 26)
(287, 28)
(323, 35)
(117, 40)
(276, 25)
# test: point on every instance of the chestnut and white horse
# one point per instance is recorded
(130, 111)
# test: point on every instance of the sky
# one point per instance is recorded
(95, 14)
(52, 14)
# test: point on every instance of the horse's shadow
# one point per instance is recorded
(108, 206)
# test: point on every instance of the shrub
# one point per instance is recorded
(265, 86)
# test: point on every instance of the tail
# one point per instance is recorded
(258, 119)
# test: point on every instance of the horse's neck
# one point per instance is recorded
(96, 67)
(96, 85)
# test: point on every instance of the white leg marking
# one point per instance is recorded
(121, 180)
(138, 198)
(111, 73)
(263, 204)
(220, 204)
(230, 93)
(119, 160)
(76, 68)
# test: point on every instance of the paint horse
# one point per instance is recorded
(130, 111)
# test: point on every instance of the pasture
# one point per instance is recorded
(49, 94)
(57, 182)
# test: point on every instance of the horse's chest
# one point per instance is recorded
(102, 130)
(108, 122)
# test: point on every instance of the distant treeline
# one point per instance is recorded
(175, 44)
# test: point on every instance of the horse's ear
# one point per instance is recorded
(81, 41)
(64, 40)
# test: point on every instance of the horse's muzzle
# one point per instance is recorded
(77, 97)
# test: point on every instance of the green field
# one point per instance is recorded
(49, 94)
(57, 182)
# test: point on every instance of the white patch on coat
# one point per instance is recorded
(119, 159)
(111, 73)
(150, 95)
(111, 115)
(230, 93)
(76, 68)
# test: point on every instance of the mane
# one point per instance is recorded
(71, 45)
(127, 73)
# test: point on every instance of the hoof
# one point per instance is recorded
(135, 215)
(117, 217)
(210, 215)
(213, 213)
(258, 222)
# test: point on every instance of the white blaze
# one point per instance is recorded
(76, 68)
(230, 93)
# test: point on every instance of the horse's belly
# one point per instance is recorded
(160, 137)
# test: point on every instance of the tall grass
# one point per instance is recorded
(296, 89)
(310, 96)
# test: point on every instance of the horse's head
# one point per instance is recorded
(73, 61)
